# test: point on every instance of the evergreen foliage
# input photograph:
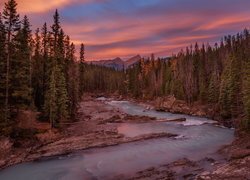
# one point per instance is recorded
(40, 72)
(45, 72)
(81, 70)
(11, 27)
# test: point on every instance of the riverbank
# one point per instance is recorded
(97, 127)
(173, 105)
(236, 164)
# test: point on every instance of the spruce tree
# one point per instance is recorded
(246, 98)
(46, 64)
(50, 103)
(37, 75)
(81, 70)
(202, 77)
(55, 33)
(235, 85)
(57, 81)
(213, 89)
(21, 67)
(73, 82)
(224, 99)
(61, 50)
(2, 70)
(12, 26)
(62, 111)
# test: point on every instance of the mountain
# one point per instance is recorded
(132, 61)
(118, 63)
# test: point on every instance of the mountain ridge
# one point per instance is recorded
(117, 63)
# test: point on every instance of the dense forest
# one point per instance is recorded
(218, 75)
(40, 71)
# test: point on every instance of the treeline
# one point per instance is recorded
(41, 71)
(38, 71)
(98, 79)
(218, 75)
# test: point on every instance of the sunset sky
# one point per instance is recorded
(124, 28)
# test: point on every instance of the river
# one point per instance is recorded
(197, 138)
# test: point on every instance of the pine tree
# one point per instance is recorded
(12, 26)
(229, 90)
(57, 81)
(46, 64)
(235, 85)
(61, 96)
(73, 82)
(50, 103)
(246, 92)
(213, 89)
(224, 99)
(37, 75)
(2, 70)
(21, 67)
(55, 33)
(202, 77)
(81, 70)
(61, 50)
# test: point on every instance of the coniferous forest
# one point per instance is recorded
(188, 113)
(40, 71)
(213, 75)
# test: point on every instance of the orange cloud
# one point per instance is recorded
(130, 51)
(170, 40)
(137, 29)
(37, 6)
(110, 29)
(40, 6)
(191, 39)
(224, 22)
(89, 33)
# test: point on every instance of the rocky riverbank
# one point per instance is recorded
(173, 105)
(234, 167)
(236, 164)
(96, 127)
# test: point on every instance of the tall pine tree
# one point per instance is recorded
(2, 70)
(246, 92)
(57, 110)
(21, 67)
(12, 26)
(81, 70)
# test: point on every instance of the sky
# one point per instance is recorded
(124, 28)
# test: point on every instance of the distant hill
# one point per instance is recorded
(118, 63)
(132, 61)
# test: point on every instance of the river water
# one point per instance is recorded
(197, 138)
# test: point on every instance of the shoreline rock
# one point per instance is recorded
(100, 130)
